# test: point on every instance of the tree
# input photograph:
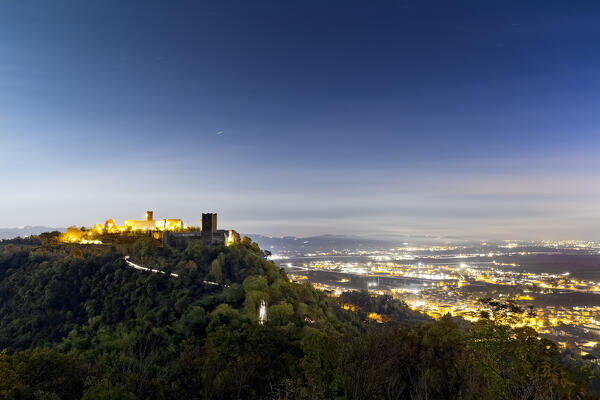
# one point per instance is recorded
(216, 269)
(103, 389)
(280, 314)
(145, 250)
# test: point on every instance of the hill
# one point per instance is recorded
(24, 231)
(292, 244)
(79, 322)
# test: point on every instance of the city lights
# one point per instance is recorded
(434, 280)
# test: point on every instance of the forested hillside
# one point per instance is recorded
(77, 322)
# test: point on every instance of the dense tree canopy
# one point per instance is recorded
(77, 322)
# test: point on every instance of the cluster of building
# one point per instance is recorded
(167, 230)
(577, 326)
(452, 281)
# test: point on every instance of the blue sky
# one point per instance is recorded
(466, 118)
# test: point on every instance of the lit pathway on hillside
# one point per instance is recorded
(136, 266)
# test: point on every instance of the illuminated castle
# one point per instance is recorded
(150, 224)
(168, 230)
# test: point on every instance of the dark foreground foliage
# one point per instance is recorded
(77, 323)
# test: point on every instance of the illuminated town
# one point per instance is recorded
(164, 230)
(451, 279)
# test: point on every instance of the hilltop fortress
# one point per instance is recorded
(151, 224)
(168, 230)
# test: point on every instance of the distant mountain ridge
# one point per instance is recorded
(23, 231)
(321, 243)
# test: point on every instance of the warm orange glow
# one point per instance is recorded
(93, 236)
(375, 317)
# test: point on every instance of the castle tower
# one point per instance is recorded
(149, 215)
(209, 223)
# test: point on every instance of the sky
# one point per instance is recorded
(452, 118)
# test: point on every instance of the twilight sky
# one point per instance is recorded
(464, 118)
